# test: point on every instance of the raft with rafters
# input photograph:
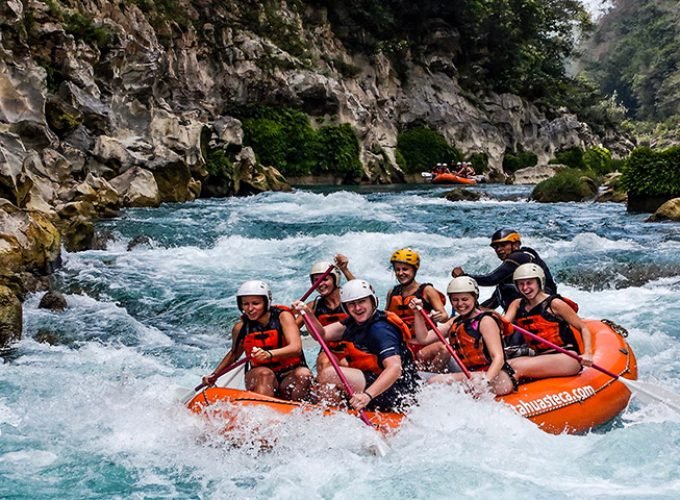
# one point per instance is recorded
(565, 404)
(449, 178)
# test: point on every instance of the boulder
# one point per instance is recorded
(252, 178)
(137, 188)
(54, 301)
(10, 316)
(567, 186)
(28, 240)
(534, 175)
(668, 211)
(611, 189)
(460, 194)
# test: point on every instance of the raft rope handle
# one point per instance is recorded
(616, 327)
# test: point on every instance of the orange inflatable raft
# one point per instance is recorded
(566, 404)
(452, 179)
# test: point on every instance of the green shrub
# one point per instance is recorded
(571, 157)
(512, 162)
(652, 173)
(218, 165)
(569, 184)
(598, 159)
(422, 148)
(338, 151)
(285, 139)
(82, 27)
(479, 161)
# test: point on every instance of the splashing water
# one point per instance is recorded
(92, 411)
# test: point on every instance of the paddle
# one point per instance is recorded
(381, 446)
(426, 175)
(655, 393)
(448, 346)
(235, 365)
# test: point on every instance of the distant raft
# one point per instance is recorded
(452, 179)
(565, 404)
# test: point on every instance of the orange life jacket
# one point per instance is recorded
(369, 362)
(540, 321)
(467, 340)
(399, 305)
(326, 316)
(269, 336)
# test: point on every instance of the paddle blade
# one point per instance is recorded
(654, 393)
(376, 445)
(427, 175)
(184, 395)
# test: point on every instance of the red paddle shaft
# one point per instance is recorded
(452, 352)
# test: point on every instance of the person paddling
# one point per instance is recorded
(552, 318)
(474, 334)
(270, 339)
(327, 306)
(380, 367)
(405, 263)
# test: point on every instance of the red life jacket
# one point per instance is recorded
(269, 336)
(467, 340)
(540, 321)
(326, 316)
(366, 361)
(399, 305)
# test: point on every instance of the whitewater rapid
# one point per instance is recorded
(88, 397)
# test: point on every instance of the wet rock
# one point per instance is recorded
(460, 194)
(611, 189)
(138, 241)
(252, 178)
(137, 188)
(28, 240)
(10, 316)
(668, 211)
(576, 188)
(54, 301)
(77, 233)
(48, 337)
(102, 237)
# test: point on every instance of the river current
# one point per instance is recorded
(88, 404)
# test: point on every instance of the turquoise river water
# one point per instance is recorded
(94, 414)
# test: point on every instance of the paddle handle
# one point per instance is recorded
(571, 354)
(318, 281)
(448, 346)
(331, 357)
(222, 372)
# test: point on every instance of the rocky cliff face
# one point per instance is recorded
(112, 103)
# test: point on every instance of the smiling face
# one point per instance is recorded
(463, 303)
(360, 310)
(529, 287)
(405, 273)
(326, 286)
(253, 306)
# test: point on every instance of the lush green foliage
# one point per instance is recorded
(653, 173)
(512, 45)
(422, 148)
(512, 162)
(285, 139)
(597, 160)
(638, 57)
(569, 184)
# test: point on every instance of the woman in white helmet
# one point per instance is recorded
(552, 318)
(475, 335)
(380, 365)
(271, 340)
(327, 306)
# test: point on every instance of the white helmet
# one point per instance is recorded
(254, 287)
(321, 267)
(357, 289)
(528, 271)
(463, 284)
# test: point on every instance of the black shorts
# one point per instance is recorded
(398, 397)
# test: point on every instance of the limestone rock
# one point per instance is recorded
(534, 175)
(137, 187)
(10, 316)
(668, 211)
(252, 178)
(611, 189)
(28, 240)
